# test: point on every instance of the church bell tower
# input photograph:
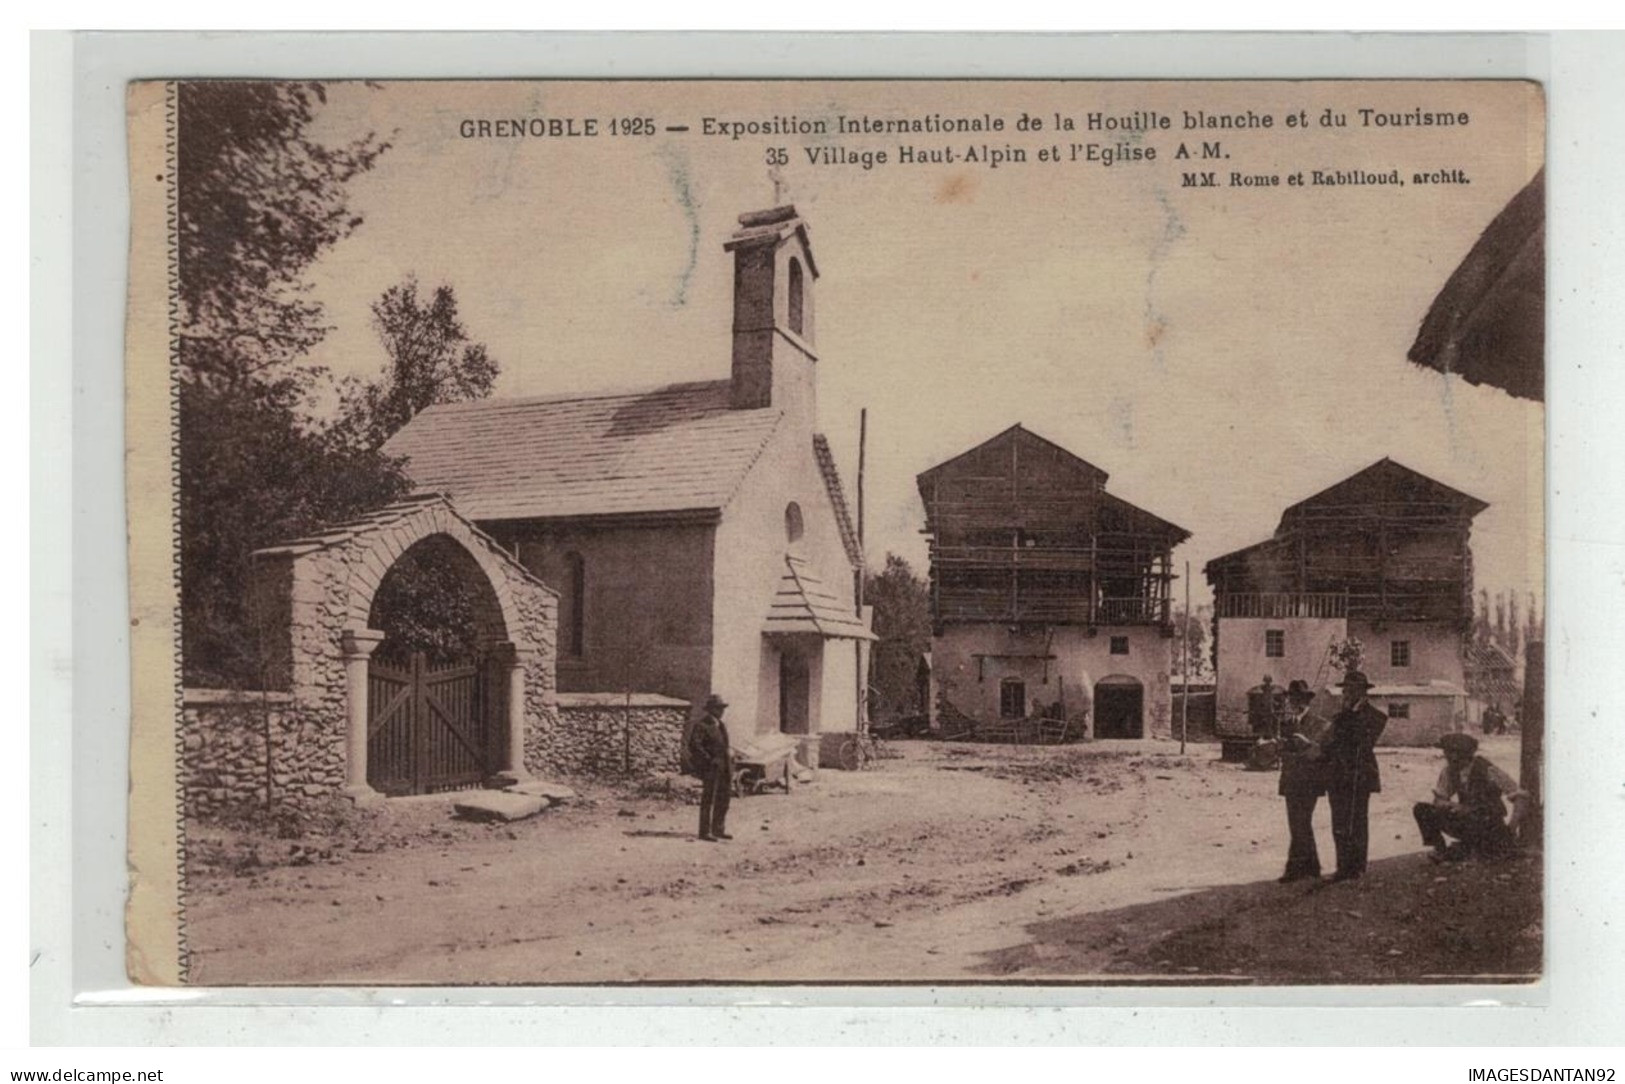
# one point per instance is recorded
(774, 356)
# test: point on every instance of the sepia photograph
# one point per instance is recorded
(813, 532)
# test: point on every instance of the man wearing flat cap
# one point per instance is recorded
(1351, 774)
(1469, 803)
(1303, 779)
(711, 758)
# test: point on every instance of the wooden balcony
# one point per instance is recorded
(1283, 605)
(1007, 607)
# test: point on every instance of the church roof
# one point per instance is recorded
(804, 605)
(837, 498)
(668, 449)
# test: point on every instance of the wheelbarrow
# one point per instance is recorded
(763, 762)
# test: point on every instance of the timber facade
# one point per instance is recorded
(1049, 595)
(1383, 557)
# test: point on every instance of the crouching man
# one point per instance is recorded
(1469, 803)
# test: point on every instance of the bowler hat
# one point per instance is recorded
(1298, 689)
(714, 702)
(1356, 677)
(1458, 745)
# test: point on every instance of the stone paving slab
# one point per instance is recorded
(499, 805)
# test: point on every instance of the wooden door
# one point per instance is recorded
(795, 681)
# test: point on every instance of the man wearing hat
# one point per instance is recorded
(1351, 774)
(1302, 779)
(711, 758)
(1468, 804)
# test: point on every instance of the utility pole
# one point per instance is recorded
(1185, 654)
(860, 677)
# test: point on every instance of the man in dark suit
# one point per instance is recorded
(711, 758)
(1351, 773)
(1303, 779)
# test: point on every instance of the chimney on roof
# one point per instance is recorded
(773, 352)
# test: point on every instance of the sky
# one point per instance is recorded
(1221, 352)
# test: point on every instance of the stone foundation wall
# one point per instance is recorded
(223, 753)
(592, 733)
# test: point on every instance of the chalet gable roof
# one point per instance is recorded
(1115, 514)
(680, 447)
(1384, 485)
(1016, 433)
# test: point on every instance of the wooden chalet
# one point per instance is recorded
(1387, 544)
(1028, 548)
(1383, 556)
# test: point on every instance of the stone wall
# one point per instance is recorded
(223, 763)
(594, 731)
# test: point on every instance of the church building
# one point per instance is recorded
(697, 533)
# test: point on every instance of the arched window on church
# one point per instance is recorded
(573, 607)
(794, 527)
(796, 300)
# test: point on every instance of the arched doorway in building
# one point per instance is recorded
(436, 708)
(1119, 707)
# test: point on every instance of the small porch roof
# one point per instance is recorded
(804, 606)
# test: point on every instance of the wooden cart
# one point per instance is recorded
(764, 761)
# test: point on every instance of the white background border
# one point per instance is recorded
(78, 804)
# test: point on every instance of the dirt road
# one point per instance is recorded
(954, 863)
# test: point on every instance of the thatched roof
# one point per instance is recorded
(1489, 322)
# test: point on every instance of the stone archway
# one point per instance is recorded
(313, 599)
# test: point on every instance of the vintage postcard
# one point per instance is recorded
(831, 532)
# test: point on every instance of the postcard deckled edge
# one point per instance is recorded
(154, 918)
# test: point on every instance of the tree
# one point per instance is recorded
(423, 603)
(1514, 631)
(257, 202)
(1535, 622)
(430, 360)
(253, 473)
(1345, 655)
(1192, 644)
(902, 621)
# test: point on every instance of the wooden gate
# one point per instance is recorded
(431, 728)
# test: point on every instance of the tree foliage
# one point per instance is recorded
(258, 201)
(902, 621)
(1497, 622)
(431, 359)
(1192, 644)
(1345, 655)
(426, 603)
(253, 473)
